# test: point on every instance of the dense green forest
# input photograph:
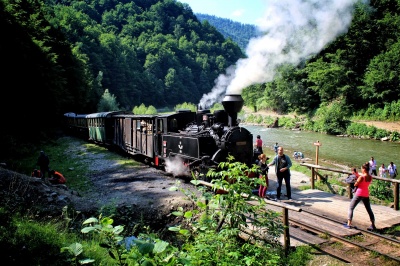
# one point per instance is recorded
(240, 33)
(62, 56)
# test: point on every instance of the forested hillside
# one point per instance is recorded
(355, 75)
(62, 56)
(240, 33)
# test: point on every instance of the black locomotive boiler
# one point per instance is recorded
(212, 137)
(199, 140)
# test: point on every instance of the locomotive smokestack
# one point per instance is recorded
(232, 103)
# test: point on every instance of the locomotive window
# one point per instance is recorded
(174, 124)
(160, 126)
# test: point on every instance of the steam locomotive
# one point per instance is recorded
(199, 140)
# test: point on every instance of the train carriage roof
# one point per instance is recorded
(75, 115)
(107, 114)
(136, 116)
(70, 114)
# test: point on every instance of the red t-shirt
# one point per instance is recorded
(259, 142)
(363, 188)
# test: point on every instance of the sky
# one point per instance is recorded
(242, 11)
(293, 30)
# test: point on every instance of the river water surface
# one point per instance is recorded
(346, 151)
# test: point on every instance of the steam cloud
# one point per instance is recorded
(292, 31)
(176, 167)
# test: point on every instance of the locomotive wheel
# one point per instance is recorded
(200, 173)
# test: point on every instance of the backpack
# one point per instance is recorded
(351, 179)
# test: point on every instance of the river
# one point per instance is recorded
(345, 151)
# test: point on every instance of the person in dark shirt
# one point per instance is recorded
(43, 162)
(276, 148)
(282, 164)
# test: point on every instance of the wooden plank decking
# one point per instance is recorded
(332, 206)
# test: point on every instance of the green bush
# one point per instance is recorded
(360, 129)
(381, 190)
(390, 112)
(331, 119)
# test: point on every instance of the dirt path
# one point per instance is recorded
(389, 126)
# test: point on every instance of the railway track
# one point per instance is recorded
(356, 245)
(377, 244)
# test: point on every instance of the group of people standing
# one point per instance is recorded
(364, 179)
(282, 164)
(390, 171)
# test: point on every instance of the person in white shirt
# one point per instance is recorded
(382, 171)
(372, 166)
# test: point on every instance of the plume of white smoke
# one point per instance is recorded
(176, 167)
(292, 30)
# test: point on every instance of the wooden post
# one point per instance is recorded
(396, 196)
(286, 235)
(316, 144)
(312, 178)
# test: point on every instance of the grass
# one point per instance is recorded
(27, 241)
(72, 162)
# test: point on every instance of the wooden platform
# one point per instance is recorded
(331, 206)
(334, 208)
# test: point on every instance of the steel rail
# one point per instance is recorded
(363, 230)
(345, 240)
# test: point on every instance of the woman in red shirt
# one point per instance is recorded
(259, 144)
(362, 194)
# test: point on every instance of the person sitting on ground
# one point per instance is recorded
(298, 155)
(56, 177)
(36, 173)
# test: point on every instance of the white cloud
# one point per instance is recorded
(238, 13)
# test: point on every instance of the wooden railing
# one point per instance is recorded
(314, 173)
(285, 213)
